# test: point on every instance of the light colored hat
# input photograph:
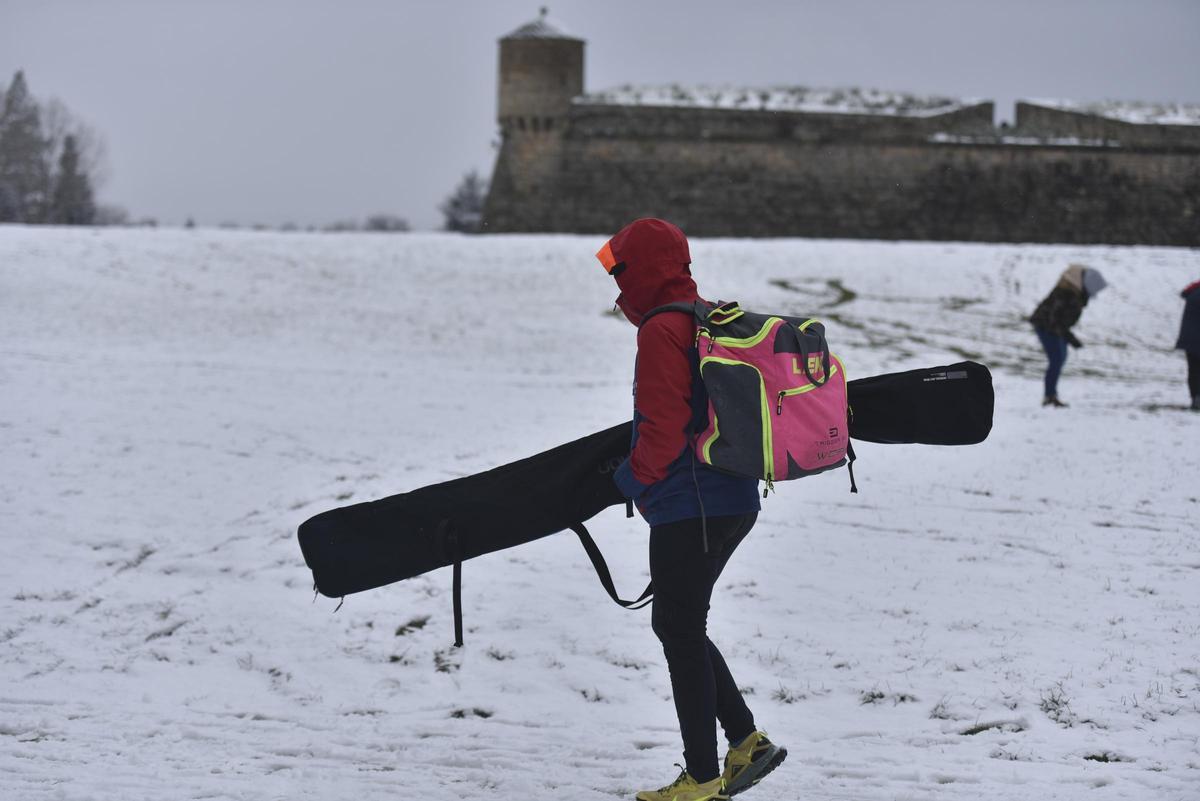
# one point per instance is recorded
(1093, 282)
(1072, 277)
(1082, 278)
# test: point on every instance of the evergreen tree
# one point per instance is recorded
(463, 210)
(72, 202)
(24, 176)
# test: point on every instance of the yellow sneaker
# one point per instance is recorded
(748, 762)
(685, 788)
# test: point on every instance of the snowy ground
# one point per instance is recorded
(1015, 620)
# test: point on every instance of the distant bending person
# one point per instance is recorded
(1054, 316)
(1189, 339)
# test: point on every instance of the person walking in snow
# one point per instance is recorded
(1189, 339)
(697, 515)
(1054, 316)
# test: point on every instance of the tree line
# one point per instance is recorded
(51, 163)
(49, 160)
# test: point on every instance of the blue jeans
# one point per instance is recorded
(1056, 351)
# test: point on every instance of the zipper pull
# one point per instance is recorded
(779, 405)
(769, 486)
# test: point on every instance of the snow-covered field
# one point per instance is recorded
(1014, 620)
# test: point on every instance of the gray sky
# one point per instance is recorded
(310, 111)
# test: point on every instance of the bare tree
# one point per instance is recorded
(109, 214)
(386, 222)
(463, 210)
(59, 122)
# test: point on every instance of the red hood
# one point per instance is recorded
(1190, 288)
(651, 260)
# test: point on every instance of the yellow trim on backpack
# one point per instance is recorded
(706, 451)
(764, 414)
(750, 341)
(833, 370)
(728, 314)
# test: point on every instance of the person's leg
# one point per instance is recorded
(1056, 356)
(736, 719)
(1063, 350)
(683, 576)
(1193, 361)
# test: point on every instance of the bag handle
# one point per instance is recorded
(450, 549)
(448, 541)
(601, 568)
(724, 313)
(800, 331)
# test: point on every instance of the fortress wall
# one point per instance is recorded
(689, 123)
(1038, 120)
(525, 184)
(569, 165)
(988, 192)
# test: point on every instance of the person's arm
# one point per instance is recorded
(1068, 306)
(664, 388)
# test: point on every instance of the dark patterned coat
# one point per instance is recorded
(1059, 311)
(1189, 328)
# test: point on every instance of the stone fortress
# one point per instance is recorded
(829, 163)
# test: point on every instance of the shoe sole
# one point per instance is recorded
(772, 762)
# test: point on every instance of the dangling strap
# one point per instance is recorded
(451, 549)
(457, 593)
(850, 464)
(699, 495)
(601, 568)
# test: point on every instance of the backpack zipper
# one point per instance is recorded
(833, 370)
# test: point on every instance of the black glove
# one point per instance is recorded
(1072, 341)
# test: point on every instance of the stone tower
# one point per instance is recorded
(541, 70)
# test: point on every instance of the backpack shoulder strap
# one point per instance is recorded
(686, 308)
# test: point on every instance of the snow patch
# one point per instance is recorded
(851, 100)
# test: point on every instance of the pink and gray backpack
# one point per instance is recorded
(777, 406)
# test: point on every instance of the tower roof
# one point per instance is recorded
(541, 28)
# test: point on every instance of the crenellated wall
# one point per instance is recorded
(1037, 120)
(719, 173)
(568, 163)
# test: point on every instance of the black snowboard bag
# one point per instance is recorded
(933, 406)
(368, 545)
(371, 544)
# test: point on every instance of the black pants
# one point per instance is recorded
(705, 692)
(1193, 357)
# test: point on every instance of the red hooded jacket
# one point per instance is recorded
(651, 263)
